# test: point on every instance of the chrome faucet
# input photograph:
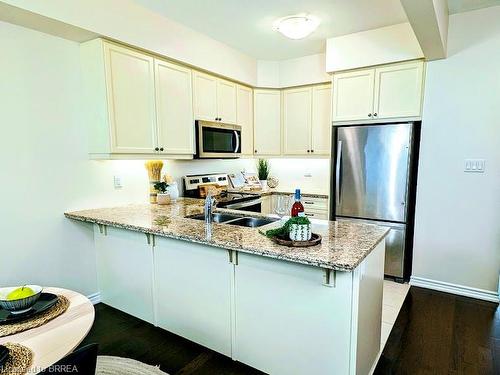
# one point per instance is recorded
(209, 206)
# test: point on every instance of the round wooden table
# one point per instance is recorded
(59, 337)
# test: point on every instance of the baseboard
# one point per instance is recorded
(460, 290)
(95, 298)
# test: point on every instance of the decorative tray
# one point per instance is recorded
(315, 240)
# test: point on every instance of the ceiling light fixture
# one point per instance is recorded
(296, 27)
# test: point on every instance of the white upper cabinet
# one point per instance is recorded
(267, 122)
(214, 98)
(131, 100)
(386, 92)
(226, 101)
(321, 119)
(205, 96)
(174, 108)
(353, 95)
(306, 120)
(244, 118)
(297, 117)
(398, 90)
(135, 103)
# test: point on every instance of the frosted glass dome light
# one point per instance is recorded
(296, 27)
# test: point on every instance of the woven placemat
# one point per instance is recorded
(19, 362)
(37, 320)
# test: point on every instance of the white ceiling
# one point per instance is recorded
(457, 6)
(246, 25)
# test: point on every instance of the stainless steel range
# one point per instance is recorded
(229, 200)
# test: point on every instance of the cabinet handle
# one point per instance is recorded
(306, 202)
(312, 150)
(157, 149)
(255, 151)
(309, 214)
(369, 115)
(375, 115)
(161, 148)
(308, 150)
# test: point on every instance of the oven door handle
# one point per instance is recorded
(238, 205)
(237, 141)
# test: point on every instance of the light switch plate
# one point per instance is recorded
(117, 181)
(474, 165)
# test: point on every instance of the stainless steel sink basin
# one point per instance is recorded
(252, 222)
(242, 221)
(217, 217)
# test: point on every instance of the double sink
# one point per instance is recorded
(242, 221)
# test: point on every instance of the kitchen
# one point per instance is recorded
(94, 140)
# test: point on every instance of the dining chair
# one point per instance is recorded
(81, 361)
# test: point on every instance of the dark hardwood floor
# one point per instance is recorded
(435, 333)
(440, 333)
(122, 335)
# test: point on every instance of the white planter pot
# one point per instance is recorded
(263, 184)
(163, 198)
(300, 232)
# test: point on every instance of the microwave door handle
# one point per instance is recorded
(337, 173)
(237, 141)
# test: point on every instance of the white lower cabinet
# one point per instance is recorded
(193, 292)
(287, 321)
(125, 271)
(277, 316)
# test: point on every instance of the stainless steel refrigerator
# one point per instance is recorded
(371, 182)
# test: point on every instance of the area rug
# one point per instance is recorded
(107, 365)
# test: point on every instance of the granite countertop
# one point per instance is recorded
(344, 245)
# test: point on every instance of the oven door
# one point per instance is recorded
(215, 140)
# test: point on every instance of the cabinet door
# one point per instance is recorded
(131, 100)
(244, 118)
(321, 119)
(297, 106)
(274, 303)
(267, 122)
(193, 292)
(353, 95)
(205, 96)
(124, 269)
(226, 101)
(174, 107)
(398, 90)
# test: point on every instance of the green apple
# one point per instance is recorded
(20, 293)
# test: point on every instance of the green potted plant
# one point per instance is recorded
(163, 197)
(263, 169)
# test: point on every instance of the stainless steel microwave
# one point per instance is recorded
(217, 140)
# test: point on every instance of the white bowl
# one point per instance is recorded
(22, 305)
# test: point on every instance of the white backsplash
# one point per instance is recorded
(310, 175)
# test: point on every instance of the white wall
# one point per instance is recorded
(292, 72)
(373, 47)
(128, 22)
(457, 235)
(44, 165)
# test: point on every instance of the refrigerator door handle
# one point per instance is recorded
(337, 173)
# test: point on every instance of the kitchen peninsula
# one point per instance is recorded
(281, 310)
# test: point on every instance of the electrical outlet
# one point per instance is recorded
(474, 165)
(117, 181)
(308, 175)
